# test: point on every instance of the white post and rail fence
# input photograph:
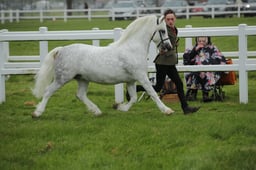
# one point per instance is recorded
(244, 60)
(212, 11)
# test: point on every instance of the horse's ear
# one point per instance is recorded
(161, 19)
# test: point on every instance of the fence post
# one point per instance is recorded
(119, 88)
(2, 17)
(43, 45)
(65, 15)
(41, 15)
(4, 48)
(17, 16)
(2, 76)
(10, 16)
(212, 11)
(188, 41)
(187, 12)
(89, 14)
(113, 14)
(242, 53)
(138, 12)
(96, 42)
(238, 10)
(152, 52)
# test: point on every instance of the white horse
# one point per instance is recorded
(123, 61)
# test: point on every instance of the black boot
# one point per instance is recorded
(191, 94)
(188, 110)
(194, 94)
(206, 97)
(188, 94)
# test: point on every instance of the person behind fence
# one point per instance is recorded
(86, 6)
(203, 53)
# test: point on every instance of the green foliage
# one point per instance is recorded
(220, 136)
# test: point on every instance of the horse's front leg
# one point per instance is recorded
(131, 87)
(152, 93)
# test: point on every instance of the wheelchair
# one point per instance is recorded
(168, 88)
(216, 92)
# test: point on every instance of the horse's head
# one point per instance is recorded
(160, 36)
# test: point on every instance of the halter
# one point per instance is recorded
(160, 34)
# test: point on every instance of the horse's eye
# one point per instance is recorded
(162, 31)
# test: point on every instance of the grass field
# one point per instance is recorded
(221, 136)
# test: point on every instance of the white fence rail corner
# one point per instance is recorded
(31, 64)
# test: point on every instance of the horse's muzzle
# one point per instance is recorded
(166, 46)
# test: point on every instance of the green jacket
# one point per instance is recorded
(171, 56)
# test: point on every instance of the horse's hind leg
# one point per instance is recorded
(48, 93)
(131, 87)
(82, 95)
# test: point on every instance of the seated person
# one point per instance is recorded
(203, 53)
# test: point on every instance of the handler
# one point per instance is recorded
(165, 64)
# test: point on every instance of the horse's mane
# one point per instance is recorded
(136, 25)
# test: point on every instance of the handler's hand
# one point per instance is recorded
(161, 52)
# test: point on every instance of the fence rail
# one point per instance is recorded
(31, 64)
(184, 11)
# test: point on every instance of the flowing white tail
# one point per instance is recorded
(45, 75)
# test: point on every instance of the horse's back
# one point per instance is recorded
(98, 64)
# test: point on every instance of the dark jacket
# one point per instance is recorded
(170, 57)
(210, 54)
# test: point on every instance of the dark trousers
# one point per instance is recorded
(172, 73)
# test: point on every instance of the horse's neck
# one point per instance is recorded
(138, 32)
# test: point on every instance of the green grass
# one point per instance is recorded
(221, 136)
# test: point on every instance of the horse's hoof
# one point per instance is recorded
(34, 115)
(169, 112)
(97, 114)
